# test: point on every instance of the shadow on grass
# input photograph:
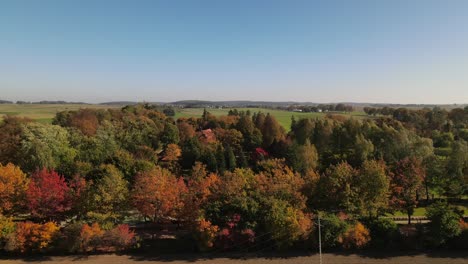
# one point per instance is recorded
(268, 255)
(394, 253)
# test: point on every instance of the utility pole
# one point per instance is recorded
(320, 238)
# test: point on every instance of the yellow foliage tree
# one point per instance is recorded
(356, 236)
(30, 236)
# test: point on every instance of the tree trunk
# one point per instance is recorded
(427, 192)
(409, 217)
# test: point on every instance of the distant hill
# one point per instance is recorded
(5, 102)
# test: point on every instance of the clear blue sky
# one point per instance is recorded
(411, 51)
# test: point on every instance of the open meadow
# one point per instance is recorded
(44, 113)
(283, 117)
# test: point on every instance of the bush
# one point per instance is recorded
(90, 237)
(444, 223)
(383, 232)
(7, 227)
(120, 238)
(233, 237)
(31, 237)
(205, 234)
(356, 236)
(70, 238)
(332, 229)
(460, 241)
(85, 238)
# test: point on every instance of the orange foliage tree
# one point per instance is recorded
(356, 236)
(13, 184)
(30, 236)
(90, 237)
(158, 194)
(205, 234)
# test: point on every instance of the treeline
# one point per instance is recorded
(236, 181)
(319, 108)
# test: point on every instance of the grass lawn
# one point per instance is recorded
(283, 117)
(421, 211)
(42, 112)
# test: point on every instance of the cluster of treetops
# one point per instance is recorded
(235, 181)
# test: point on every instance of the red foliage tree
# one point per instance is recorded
(406, 182)
(48, 195)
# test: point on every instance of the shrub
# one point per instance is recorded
(383, 232)
(7, 227)
(332, 229)
(356, 236)
(70, 238)
(29, 237)
(444, 223)
(120, 238)
(460, 241)
(90, 237)
(234, 237)
(84, 238)
(205, 234)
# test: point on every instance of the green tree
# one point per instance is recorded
(373, 188)
(109, 196)
(230, 158)
(220, 159)
(170, 134)
(304, 157)
(337, 188)
(457, 169)
(46, 146)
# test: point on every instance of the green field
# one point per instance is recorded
(283, 117)
(45, 112)
(42, 112)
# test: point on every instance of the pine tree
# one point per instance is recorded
(220, 159)
(230, 158)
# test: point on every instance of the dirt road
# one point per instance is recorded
(292, 258)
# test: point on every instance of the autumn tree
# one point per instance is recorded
(186, 131)
(171, 156)
(48, 195)
(304, 157)
(13, 185)
(108, 196)
(405, 185)
(271, 130)
(11, 129)
(373, 188)
(337, 188)
(85, 120)
(158, 194)
(286, 223)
